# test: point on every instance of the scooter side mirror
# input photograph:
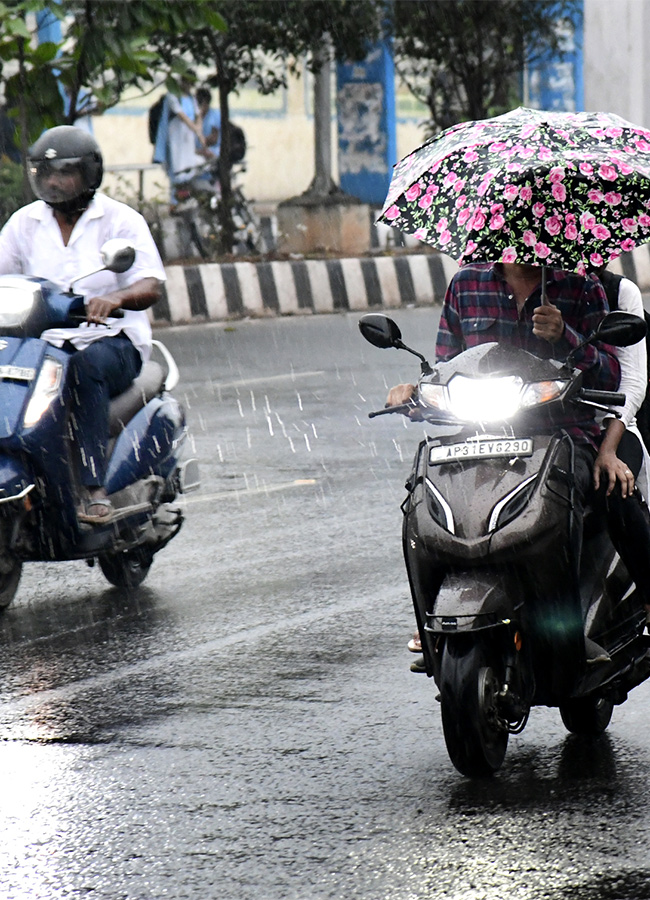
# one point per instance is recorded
(380, 331)
(117, 255)
(621, 329)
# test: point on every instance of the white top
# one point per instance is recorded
(182, 142)
(633, 359)
(31, 244)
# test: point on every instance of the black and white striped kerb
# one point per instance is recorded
(213, 291)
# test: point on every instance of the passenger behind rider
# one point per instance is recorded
(502, 302)
(621, 453)
(59, 237)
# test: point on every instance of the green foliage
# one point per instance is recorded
(465, 58)
(11, 188)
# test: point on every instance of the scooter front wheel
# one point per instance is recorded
(588, 716)
(127, 569)
(475, 735)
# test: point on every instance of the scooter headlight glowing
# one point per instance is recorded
(45, 390)
(484, 399)
(17, 298)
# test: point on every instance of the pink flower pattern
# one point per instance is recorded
(562, 189)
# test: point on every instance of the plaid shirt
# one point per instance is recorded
(480, 307)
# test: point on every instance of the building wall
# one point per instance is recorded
(616, 64)
(280, 138)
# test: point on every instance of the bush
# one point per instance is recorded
(11, 188)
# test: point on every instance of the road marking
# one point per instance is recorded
(289, 376)
(235, 492)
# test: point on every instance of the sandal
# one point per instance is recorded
(415, 644)
(84, 516)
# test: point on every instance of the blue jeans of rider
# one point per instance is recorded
(101, 371)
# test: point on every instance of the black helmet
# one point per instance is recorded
(71, 151)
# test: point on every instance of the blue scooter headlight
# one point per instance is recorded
(17, 299)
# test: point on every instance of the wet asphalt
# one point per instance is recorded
(244, 726)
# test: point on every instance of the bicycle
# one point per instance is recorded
(198, 204)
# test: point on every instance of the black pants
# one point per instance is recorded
(628, 519)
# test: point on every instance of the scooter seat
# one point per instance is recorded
(123, 407)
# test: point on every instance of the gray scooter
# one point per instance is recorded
(490, 538)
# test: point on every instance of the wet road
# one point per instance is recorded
(245, 725)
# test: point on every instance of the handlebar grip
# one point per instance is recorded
(81, 317)
(607, 398)
(387, 410)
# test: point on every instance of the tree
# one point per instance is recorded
(465, 59)
(30, 75)
(263, 42)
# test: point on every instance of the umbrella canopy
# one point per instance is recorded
(569, 190)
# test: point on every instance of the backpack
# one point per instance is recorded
(237, 143)
(153, 121)
(611, 283)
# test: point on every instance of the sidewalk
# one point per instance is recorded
(388, 278)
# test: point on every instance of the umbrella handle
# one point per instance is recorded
(545, 301)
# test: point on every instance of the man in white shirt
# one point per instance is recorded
(59, 237)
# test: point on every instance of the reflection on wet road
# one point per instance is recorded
(245, 724)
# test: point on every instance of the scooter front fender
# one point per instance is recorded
(468, 601)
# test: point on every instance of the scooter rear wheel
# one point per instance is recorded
(475, 735)
(588, 716)
(126, 570)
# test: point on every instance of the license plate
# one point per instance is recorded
(487, 449)
(18, 373)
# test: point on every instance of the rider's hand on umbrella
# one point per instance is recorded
(548, 323)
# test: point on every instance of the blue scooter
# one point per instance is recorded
(39, 489)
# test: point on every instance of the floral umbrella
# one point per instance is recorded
(570, 190)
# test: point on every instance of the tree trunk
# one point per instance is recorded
(227, 226)
(22, 120)
(322, 184)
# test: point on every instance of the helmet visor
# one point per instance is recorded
(58, 180)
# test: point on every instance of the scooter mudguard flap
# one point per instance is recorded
(14, 478)
(148, 446)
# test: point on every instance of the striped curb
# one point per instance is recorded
(222, 291)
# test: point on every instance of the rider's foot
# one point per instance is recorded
(595, 653)
(415, 644)
(95, 508)
(418, 665)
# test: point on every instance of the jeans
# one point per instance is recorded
(101, 371)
